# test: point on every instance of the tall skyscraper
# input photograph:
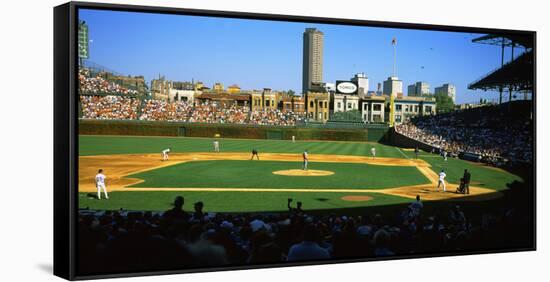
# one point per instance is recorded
(447, 89)
(393, 86)
(312, 59)
(418, 89)
(362, 83)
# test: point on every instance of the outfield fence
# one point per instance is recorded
(161, 128)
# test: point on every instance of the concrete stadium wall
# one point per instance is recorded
(400, 140)
(150, 128)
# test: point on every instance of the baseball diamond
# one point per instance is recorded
(339, 174)
(207, 152)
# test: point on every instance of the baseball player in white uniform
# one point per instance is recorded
(304, 156)
(100, 184)
(216, 146)
(165, 153)
(373, 152)
(293, 139)
(441, 181)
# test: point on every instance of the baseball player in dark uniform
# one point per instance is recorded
(255, 153)
(467, 176)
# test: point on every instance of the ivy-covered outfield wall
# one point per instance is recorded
(151, 128)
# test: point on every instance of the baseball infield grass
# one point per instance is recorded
(259, 174)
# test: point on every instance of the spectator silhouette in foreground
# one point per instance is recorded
(295, 211)
(309, 248)
(382, 243)
(176, 214)
(416, 206)
(199, 214)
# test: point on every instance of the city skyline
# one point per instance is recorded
(255, 53)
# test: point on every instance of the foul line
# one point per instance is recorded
(402, 153)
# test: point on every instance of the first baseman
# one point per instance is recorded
(373, 152)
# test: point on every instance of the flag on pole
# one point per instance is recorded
(394, 41)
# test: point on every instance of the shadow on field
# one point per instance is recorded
(92, 195)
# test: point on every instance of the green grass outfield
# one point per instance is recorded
(223, 174)
(109, 145)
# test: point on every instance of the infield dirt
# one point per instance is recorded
(118, 167)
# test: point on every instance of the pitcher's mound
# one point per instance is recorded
(300, 172)
(356, 198)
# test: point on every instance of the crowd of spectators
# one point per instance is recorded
(489, 132)
(121, 107)
(95, 84)
(109, 107)
(276, 117)
(113, 241)
(203, 112)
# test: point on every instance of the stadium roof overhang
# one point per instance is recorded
(516, 75)
(505, 40)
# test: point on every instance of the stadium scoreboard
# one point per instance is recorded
(83, 42)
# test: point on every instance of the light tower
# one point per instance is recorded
(394, 44)
(394, 76)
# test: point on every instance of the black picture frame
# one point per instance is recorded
(66, 127)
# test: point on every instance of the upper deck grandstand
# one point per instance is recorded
(515, 75)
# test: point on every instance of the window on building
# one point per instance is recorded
(376, 118)
(376, 107)
(398, 108)
(429, 109)
(398, 118)
(339, 105)
(349, 105)
(326, 115)
(311, 104)
(267, 103)
(326, 105)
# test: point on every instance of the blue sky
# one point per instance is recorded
(255, 54)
